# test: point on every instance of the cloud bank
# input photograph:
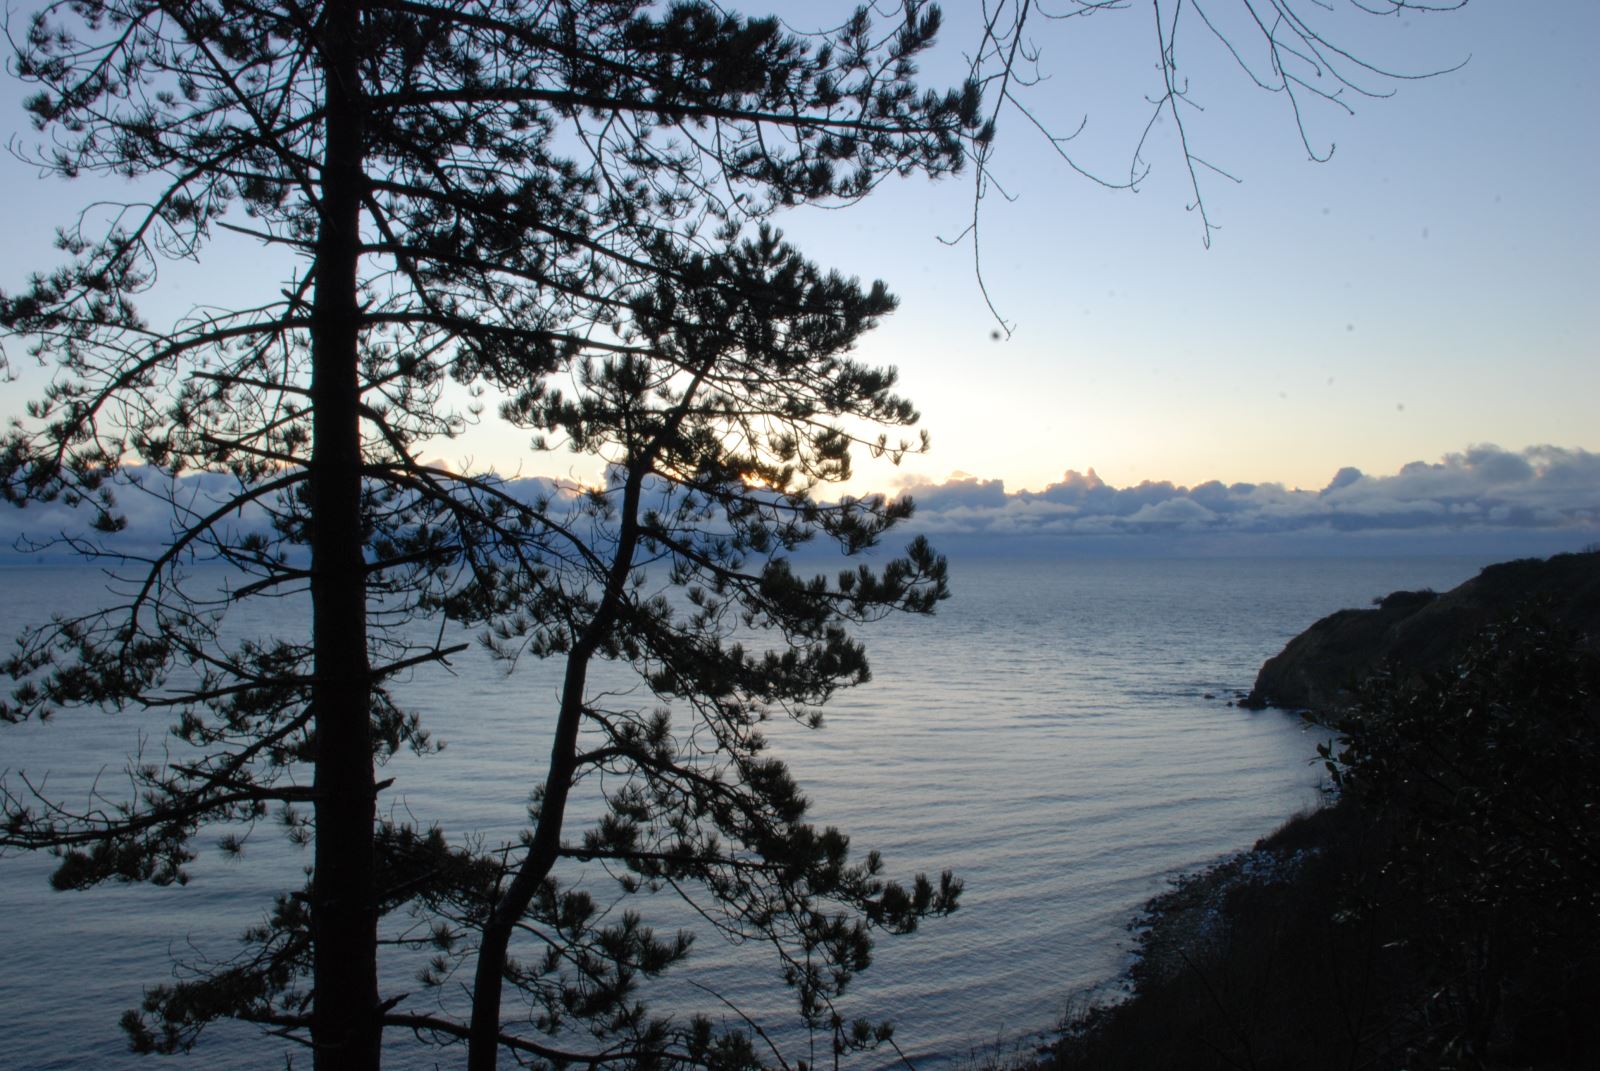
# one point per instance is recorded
(1484, 500)
(1483, 491)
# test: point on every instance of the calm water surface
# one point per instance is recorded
(1046, 736)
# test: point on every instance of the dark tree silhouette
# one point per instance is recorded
(486, 193)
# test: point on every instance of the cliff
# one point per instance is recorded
(1419, 632)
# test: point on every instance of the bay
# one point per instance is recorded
(1046, 735)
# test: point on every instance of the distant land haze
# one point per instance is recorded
(1483, 500)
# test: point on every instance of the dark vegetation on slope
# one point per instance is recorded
(1444, 912)
(1416, 633)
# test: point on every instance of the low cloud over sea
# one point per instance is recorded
(1483, 500)
(1536, 496)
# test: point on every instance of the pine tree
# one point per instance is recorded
(486, 193)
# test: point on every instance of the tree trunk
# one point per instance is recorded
(483, 1041)
(345, 1019)
(488, 980)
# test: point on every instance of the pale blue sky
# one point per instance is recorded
(1444, 260)
(1430, 288)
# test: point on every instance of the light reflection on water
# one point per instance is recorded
(1045, 736)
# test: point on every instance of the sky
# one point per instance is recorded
(1429, 288)
(1425, 296)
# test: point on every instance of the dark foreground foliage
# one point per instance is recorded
(1441, 914)
(563, 206)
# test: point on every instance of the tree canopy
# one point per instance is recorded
(489, 193)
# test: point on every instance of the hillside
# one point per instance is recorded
(1420, 632)
(1444, 910)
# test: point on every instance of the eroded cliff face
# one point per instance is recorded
(1419, 632)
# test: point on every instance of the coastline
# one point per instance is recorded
(1439, 908)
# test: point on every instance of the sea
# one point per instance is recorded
(1061, 734)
